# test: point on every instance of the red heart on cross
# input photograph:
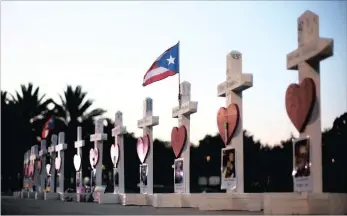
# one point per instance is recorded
(143, 147)
(178, 139)
(227, 121)
(300, 101)
(94, 157)
(39, 166)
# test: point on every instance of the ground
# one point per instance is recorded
(16, 206)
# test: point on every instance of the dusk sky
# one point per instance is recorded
(106, 47)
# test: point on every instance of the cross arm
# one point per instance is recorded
(240, 84)
(186, 108)
(33, 157)
(79, 143)
(60, 147)
(148, 121)
(316, 50)
(118, 130)
(51, 149)
(98, 137)
(42, 152)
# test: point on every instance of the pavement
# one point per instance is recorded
(16, 206)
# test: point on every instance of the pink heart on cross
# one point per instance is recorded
(57, 163)
(114, 154)
(93, 157)
(31, 169)
(143, 147)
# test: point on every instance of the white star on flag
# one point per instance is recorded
(170, 60)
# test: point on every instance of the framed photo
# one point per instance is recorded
(302, 165)
(143, 178)
(228, 169)
(179, 176)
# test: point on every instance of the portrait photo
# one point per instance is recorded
(228, 163)
(143, 174)
(302, 158)
(178, 171)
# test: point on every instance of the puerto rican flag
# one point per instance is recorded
(167, 64)
(48, 126)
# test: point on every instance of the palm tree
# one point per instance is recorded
(31, 109)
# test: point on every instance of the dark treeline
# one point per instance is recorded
(267, 169)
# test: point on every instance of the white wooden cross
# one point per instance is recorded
(26, 162)
(52, 152)
(117, 132)
(236, 82)
(60, 148)
(183, 113)
(33, 156)
(42, 154)
(78, 145)
(147, 123)
(306, 58)
(98, 138)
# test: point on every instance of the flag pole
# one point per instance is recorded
(179, 76)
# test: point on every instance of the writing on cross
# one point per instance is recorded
(99, 134)
(118, 129)
(148, 119)
(311, 46)
(187, 107)
(236, 80)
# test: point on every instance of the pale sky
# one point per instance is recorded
(108, 46)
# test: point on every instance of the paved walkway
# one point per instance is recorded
(11, 206)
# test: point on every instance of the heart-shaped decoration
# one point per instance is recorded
(48, 169)
(77, 162)
(300, 101)
(114, 151)
(227, 122)
(143, 147)
(93, 157)
(31, 169)
(57, 163)
(178, 139)
(39, 166)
